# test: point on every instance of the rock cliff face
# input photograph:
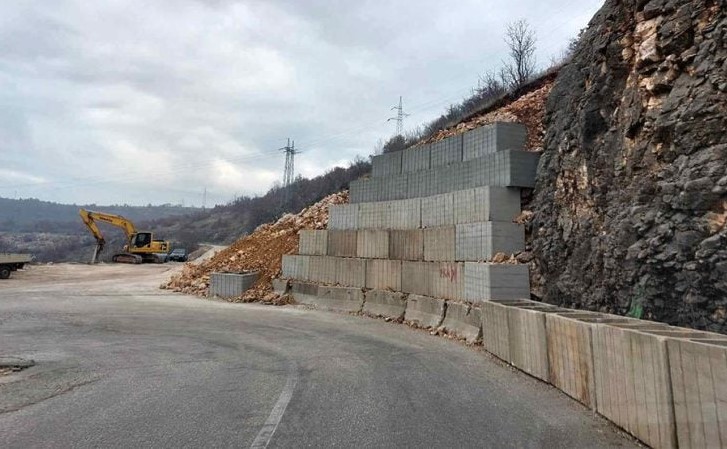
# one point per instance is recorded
(631, 199)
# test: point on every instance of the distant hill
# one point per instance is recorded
(33, 215)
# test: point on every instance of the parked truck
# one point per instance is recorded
(10, 262)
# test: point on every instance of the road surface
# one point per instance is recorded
(120, 363)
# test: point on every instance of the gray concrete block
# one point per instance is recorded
(295, 267)
(343, 217)
(404, 214)
(445, 280)
(342, 243)
(351, 272)
(385, 304)
(439, 244)
(313, 242)
(383, 274)
(463, 321)
(304, 292)
(698, 370)
(438, 210)
(492, 138)
(364, 190)
(528, 344)
(496, 329)
(415, 277)
(322, 269)
(447, 151)
(386, 164)
(421, 184)
(415, 159)
(481, 241)
(424, 311)
(406, 244)
(231, 285)
(523, 168)
(633, 387)
(392, 187)
(374, 215)
(449, 178)
(486, 281)
(487, 203)
(343, 299)
(281, 286)
(372, 244)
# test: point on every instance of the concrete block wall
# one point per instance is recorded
(386, 164)
(313, 242)
(416, 159)
(492, 138)
(447, 151)
(343, 216)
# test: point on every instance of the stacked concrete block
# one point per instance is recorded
(364, 190)
(415, 278)
(385, 304)
(295, 267)
(484, 281)
(322, 269)
(486, 204)
(394, 187)
(425, 311)
(342, 243)
(303, 292)
(493, 138)
(343, 216)
(372, 244)
(383, 274)
(447, 151)
(386, 164)
(351, 272)
(405, 214)
(416, 159)
(421, 184)
(439, 244)
(698, 370)
(406, 244)
(481, 241)
(438, 210)
(463, 321)
(313, 242)
(231, 285)
(527, 339)
(445, 280)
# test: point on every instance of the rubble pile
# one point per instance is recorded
(260, 251)
(528, 109)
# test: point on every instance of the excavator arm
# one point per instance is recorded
(89, 219)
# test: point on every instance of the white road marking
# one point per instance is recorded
(266, 433)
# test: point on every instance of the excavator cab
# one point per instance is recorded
(141, 240)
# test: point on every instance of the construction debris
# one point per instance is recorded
(261, 251)
(528, 109)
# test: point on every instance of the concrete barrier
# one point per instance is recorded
(463, 321)
(231, 285)
(439, 244)
(698, 370)
(385, 304)
(346, 299)
(406, 244)
(351, 272)
(383, 274)
(296, 267)
(343, 216)
(424, 311)
(632, 380)
(528, 345)
(304, 292)
(281, 286)
(313, 242)
(496, 327)
(386, 164)
(372, 244)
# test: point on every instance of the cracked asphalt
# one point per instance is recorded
(120, 363)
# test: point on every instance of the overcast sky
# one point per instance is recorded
(142, 102)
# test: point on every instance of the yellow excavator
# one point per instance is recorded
(140, 246)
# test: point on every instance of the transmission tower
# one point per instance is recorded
(399, 117)
(289, 172)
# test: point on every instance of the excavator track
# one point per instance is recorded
(127, 258)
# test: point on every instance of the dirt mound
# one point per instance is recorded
(260, 251)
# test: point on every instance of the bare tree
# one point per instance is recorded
(520, 39)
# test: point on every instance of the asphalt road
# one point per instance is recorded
(123, 364)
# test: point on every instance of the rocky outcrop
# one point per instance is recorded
(631, 199)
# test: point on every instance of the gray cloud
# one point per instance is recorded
(144, 102)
